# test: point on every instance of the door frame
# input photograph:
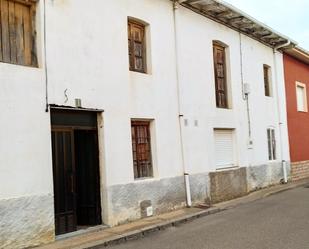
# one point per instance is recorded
(72, 128)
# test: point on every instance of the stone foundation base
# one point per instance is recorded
(29, 221)
(300, 170)
(127, 202)
(26, 222)
(265, 175)
(228, 184)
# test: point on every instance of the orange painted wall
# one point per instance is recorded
(298, 122)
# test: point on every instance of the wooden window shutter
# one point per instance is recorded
(266, 80)
(141, 147)
(136, 39)
(220, 76)
(17, 43)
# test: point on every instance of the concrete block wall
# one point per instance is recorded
(227, 185)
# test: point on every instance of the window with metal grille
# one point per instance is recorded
(220, 75)
(141, 147)
(266, 70)
(271, 138)
(137, 46)
(17, 36)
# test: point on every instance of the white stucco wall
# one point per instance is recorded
(25, 161)
(87, 58)
(87, 55)
(195, 35)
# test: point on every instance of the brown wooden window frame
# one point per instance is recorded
(134, 42)
(17, 32)
(267, 80)
(220, 74)
(141, 149)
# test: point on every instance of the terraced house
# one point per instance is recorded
(296, 69)
(116, 110)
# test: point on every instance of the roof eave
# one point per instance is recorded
(228, 15)
(299, 54)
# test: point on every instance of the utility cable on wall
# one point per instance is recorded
(245, 89)
(45, 58)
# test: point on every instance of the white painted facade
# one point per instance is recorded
(198, 92)
(87, 58)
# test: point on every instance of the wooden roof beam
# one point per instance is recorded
(224, 14)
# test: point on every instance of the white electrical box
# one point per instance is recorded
(246, 88)
(250, 144)
(149, 211)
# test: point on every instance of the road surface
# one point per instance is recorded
(280, 221)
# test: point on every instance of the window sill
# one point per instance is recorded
(223, 108)
(226, 168)
(19, 65)
(144, 179)
(136, 71)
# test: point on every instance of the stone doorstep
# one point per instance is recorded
(146, 226)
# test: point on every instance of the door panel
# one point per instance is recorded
(88, 187)
(64, 180)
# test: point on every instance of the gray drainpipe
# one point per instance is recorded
(283, 162)
(180, 112)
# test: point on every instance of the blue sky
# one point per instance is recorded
(290, 18)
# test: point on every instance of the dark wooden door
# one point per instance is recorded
(88, 186)
(76, 170)
(64, 180)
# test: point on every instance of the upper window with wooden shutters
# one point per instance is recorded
(267, 80)
(137, 46)
(220, 75)
(17, 36)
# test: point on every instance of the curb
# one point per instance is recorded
(116, 239)
(300, 185)
(143, 232)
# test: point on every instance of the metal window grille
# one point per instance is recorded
(272, 150)
(141, 147)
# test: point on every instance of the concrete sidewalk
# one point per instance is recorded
(110, 236)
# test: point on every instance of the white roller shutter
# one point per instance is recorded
(224, 148)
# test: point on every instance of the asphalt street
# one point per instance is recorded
(280, 221)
